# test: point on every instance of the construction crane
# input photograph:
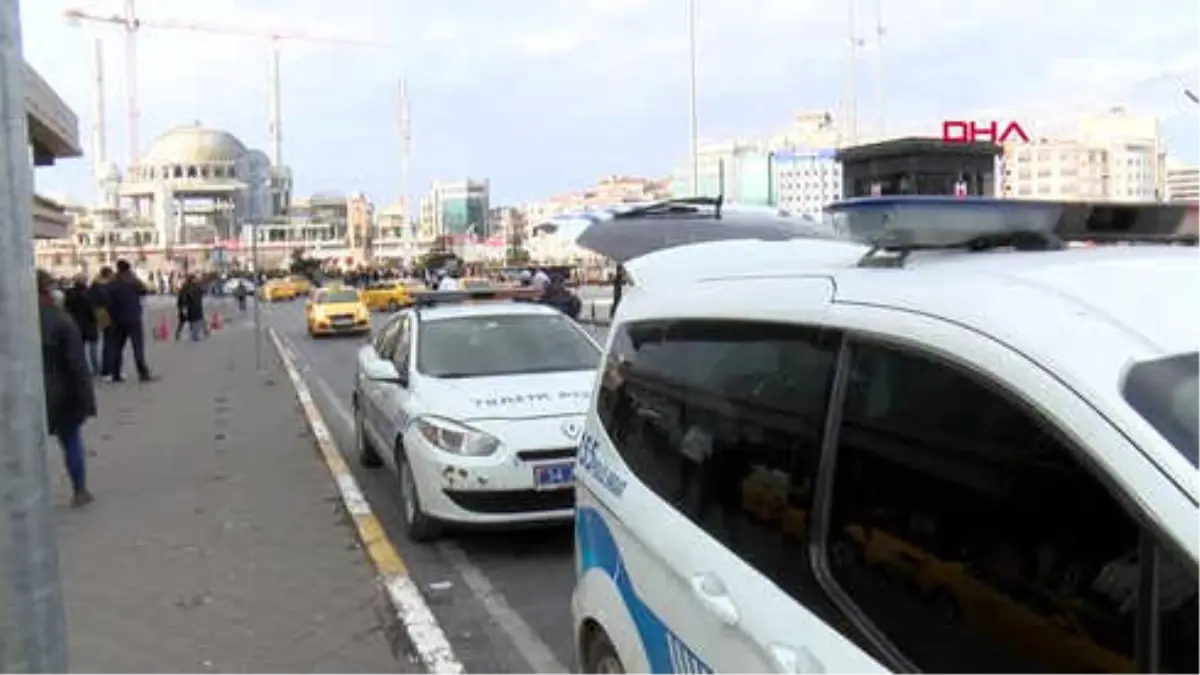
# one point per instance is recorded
(132, 24)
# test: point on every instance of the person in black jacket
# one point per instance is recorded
(78, 303)
(70, 399)
(190, 303)
(558, 296)
(125, 293)
(108, 331)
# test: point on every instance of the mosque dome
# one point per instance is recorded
(194, 144)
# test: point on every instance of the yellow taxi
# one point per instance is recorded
(300, 285)
(387, 295)
(336, 311)
(276, 290)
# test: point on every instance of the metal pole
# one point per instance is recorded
(257, 316)
(880, 100)
(32, 624)
(131, 81)
(693, 123)
(851, 121)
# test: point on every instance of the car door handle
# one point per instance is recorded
(791, 659)
(713, 596)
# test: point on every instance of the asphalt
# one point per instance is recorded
(502, 598)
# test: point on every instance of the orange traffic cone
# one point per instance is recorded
(216, 321)
(162, 329)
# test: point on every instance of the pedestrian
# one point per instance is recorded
(78, 303)
(125, 293)
(618, 288)
(108, 330)
(70, 398)
(190, 303)
(240, 291)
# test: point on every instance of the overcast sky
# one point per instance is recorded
(546, 96)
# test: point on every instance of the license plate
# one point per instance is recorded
(341, 322)
(550, 476)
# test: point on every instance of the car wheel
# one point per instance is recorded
(367, 456)
(599, 655)
(419, 526)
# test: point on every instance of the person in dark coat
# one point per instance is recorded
(190, 303)
(618, 287)
(125, 293)
(70, 399)
(78, 302)
(108, 331)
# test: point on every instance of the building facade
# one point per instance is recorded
(804, 182)
(1112, 157)
(459, 208)
(1183, 183)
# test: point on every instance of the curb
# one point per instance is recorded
(426, 639)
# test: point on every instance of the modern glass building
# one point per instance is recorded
(461, 208)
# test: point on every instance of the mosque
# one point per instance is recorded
(186, 202)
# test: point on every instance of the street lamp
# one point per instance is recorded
(693, 124)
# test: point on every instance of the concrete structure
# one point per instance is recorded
(919, 166)
(53, 135)
(1111, 157)
(1183, 183)
(196, 184)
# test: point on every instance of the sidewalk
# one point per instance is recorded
(217, 541)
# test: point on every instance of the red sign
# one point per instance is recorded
(961, 131)
(960, 189)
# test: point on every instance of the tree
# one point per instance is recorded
(302, 264)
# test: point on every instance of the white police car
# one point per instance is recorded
(849, 459)
(477, 405)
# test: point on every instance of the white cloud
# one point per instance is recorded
(622, 62)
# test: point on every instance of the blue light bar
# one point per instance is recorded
(923, 222)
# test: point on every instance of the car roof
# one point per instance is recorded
(485, 308)
(321, 293)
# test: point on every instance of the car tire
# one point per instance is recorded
(417, 524)
(599, 654)
(367, 455)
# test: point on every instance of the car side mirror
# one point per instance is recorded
(380, 370)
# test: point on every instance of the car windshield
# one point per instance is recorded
(1166, 393)
(335, 297)
(485, 346)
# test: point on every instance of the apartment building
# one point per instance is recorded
(1114, 156)
(1183, 183)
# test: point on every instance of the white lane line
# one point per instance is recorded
(427, 639)
(533, 649)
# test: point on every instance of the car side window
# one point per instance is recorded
(385, 341)
(968, 533)
(723, 420)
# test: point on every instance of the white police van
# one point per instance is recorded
(971, 447)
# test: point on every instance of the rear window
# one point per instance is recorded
(1166, 393)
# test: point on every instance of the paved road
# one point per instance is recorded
(506, 608)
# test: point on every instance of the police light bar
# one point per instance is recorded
(913, 223)
(432, 298)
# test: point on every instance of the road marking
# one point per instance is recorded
(426, 636)
(533, 649)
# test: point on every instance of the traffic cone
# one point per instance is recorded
(216, 321)
(162, 329)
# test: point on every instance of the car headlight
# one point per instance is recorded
(456, 438)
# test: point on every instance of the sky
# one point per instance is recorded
(546, 96)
